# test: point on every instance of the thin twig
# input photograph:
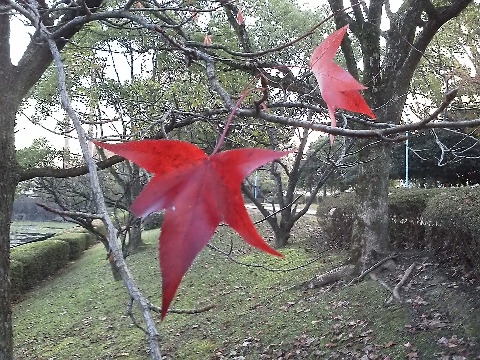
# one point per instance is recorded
(403, 280)
(211, 246)
(71, 214)
(206, 308)
(114, 250)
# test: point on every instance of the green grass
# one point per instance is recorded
(80, 314)
(45, 226)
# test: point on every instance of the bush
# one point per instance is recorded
(335, 217)
(153, 221)
(453, 220)
(406, 207)
(443, 221)
(40, 259)
(78, 242)
(30, 263)
(16, 277)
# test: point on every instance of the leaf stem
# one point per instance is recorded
(229, 120)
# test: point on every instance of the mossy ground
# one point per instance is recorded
(80, 313)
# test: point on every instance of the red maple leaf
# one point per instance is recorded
(339, 89)
(207, 40)
(198, 192)
(239, 17)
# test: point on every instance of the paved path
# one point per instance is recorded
(269, 207)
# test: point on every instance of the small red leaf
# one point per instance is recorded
(207, 40)
(339, 89)
(239, 17)
(198, 192)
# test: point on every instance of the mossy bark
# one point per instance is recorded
(370, 235)
(8, 182)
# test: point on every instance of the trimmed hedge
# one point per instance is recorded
(335, 217)
(444, 221)
(153, 221)
(31, 263)
(453, 221)
(77, 241)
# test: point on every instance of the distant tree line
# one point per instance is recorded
(26, 209)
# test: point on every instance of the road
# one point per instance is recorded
(269, 207)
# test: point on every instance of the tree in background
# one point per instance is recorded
(388, 71)
(289, 175)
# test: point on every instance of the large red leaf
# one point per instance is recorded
(339, 89)
(198, 193)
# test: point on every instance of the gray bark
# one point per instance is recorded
(15, 82)
(389, 82)
(370, 239)
(8, 179)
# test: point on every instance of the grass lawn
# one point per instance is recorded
(80, 313)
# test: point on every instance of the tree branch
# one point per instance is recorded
(28, 174)
(115, 252)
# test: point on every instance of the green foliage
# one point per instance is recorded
(33, 262)
(78, 242)
(406, 207)
(453, 220)
(39, 154)
(443, 221)
(40, 259)
(319, 155)
(335, 217)
(278, 22)
(448, 64)
(153, 221)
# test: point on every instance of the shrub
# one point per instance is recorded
(30, 263)
(406, 207)
(445, 221)
(16, 277)
(77, 242)
(153, 221)
(453, 220)
(335, 217)
(40, 259)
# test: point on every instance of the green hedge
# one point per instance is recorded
(30, 263)
(153, 221)
(335, 217)
(77, 241)
(453, 224)
(443, 221)
(40, 259)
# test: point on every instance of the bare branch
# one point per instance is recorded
(115, 251)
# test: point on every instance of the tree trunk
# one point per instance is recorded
(281, 237)
(135, 236)
(8, 182)
(132, 189)
(370, 237)
(7, 191)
